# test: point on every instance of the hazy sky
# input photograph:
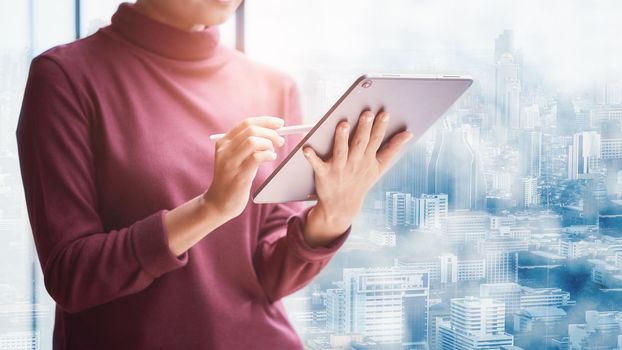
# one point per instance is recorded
(574, 41)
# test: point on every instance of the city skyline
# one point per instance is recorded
(521, 211)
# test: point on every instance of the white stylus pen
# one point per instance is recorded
(286, 130)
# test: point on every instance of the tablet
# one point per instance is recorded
(414, 101)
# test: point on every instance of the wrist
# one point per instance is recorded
(321, 227)
(209, 206)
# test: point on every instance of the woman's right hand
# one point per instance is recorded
(237, 157)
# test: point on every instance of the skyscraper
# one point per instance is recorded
(530, 153)
(409, 174)
(431, 211)
(507, 92)
(374, 303)
(399, 209)
(504, 43)
(475, 323)
(454, 169)
(583, 154)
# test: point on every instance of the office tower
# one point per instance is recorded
(601, 330)
(399, 209)
(566, 116)
(526, 192)
(431, 211)
(374, 302)
(504, 43)
(538, 297)
(454, 169)
(507, 92)
(438, 313)
(583, 154)
(508, 293)
(446, 268)
(408, 174)
(611, 154)
(547, 318)
(415, 319)
(20, 340)
(530, 117)
(475, 323)
(501, 258)
(614, 93)
(530, 153)
(335, 310)
(465, 226)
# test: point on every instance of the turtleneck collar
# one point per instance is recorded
(161, 38)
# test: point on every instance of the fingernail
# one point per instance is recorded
(385, 117)
(281, 141)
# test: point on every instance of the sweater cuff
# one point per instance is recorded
(151, 246)
(299, 246)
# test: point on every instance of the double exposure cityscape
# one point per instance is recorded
(501, 229)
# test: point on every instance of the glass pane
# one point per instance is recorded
(26, 311)
(532, 253)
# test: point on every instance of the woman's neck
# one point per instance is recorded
(147, 9)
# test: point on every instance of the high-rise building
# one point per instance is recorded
(530, 153)
(446, 268)
(409, 174)
(526, 192)
(530, 117)
(431, 211)
(475, 323)
(504, 43)
(399, 209)
(438, 314)
(507, 92)
(502, 258)
(465, 226)
(601, 330)
(537, 297)
(583, 154)
(415, 319)
(454, 169)
(374, 303)
(20, 340)
(611, 155)
(335, 310)
(508, 293)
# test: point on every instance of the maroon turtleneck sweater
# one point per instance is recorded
(113, 133)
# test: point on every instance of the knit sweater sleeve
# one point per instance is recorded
(83, 264)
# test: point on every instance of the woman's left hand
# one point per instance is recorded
(342, 181)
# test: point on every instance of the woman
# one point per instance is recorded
(144, 229)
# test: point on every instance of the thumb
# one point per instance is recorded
(317, 164)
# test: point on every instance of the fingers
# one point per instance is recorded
(390, 150)
(248, 147)
(340, 146)
(264, 121)
(257, 131)
(316, 162)
(252, 162)
(377, 134)
(361, 137)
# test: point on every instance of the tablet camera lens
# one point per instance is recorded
(366, 84)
